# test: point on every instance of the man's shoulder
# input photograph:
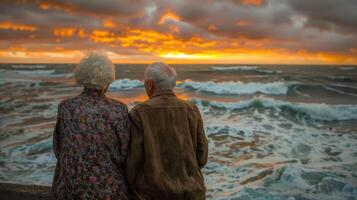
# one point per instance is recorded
(188, 104)
(143, 106)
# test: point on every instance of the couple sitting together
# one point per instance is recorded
(155, 151)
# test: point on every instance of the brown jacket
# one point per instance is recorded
(168, 148)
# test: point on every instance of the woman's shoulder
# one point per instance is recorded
(69, 102)
(115, 103)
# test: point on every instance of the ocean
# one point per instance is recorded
(275, 131)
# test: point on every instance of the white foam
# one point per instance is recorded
(238, 88)
(126, 84)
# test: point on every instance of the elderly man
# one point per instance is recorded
(168, 145)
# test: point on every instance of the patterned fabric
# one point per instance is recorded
(90, 143)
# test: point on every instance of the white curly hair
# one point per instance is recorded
(95, 71)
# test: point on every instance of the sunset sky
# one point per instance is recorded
(180, 31)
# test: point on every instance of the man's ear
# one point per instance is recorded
(148, 84)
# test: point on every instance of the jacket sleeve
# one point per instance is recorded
(202, 144)
(135, 156)
(56, 141)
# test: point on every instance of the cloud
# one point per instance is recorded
(181, 28)
(329, 14)
(17, 27)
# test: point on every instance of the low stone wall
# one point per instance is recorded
(9, 191)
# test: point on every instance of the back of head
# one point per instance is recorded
(95, 71)
(162, 74)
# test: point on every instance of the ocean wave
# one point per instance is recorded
(21, 66)
(235, 68)
(245, 68)
(32, 73)
(315, 111)
(347, 68)
(238, 88)
(342, 78)
(267, 71)
(126, 84)
(334, 89)
(36, 72)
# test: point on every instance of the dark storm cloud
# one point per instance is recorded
(335, 15)
(106, 7)
(31, 14)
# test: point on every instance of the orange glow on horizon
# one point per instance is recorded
(253, 57)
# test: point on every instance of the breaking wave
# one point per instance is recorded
(314, 111)
(235, 68)
(21, 66)
(245, 68)
(126, 84)
(238, 88)
(33, 73)
(347, 68)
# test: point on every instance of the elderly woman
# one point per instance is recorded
(91, 137)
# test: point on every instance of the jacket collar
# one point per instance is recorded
(163, 92)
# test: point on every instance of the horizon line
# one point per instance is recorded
(195, 63)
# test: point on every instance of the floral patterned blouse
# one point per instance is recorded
(90, 143)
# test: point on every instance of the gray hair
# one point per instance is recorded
(95, 71)
(162, 74)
